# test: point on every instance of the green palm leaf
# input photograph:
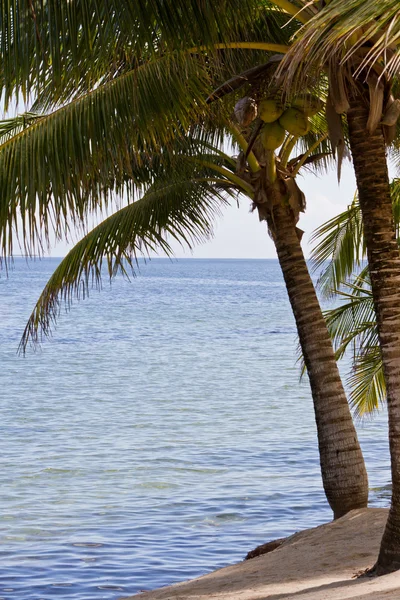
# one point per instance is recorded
(367, 382)
(395, 191)
(352, 323)
(352, 326)
(95, 145)
(341, 242)
(181, 205)
(13, 126)
(40, 42)
(183, 211)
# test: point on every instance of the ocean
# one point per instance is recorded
(160, 433)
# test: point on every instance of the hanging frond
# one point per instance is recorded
(95, 145)
(352, 326)
(352, 323)
(395, 192)
(183, 211)
(367, 382)
(339, 241)
(340, 249)
(181, 204)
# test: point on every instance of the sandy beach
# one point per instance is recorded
(316, 564)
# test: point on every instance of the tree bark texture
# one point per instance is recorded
(342, 465)
(369, 157)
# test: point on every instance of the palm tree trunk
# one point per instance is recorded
(369, 157)
(342, 465)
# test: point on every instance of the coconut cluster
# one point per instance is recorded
(279, 119)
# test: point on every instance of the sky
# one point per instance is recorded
(239, 234)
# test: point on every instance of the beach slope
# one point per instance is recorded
(315, 564)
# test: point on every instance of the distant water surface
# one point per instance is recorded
(162, 432)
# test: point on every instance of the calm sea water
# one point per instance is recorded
(161, 433)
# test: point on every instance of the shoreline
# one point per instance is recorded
(321, 563)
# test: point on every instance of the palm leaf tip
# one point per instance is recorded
(184, 211)
(367, 383)
(339, 241)
(353, 329)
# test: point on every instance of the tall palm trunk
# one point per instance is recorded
(369, 157)
(342, 465)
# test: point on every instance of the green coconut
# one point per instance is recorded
(272, 136)
(269, 110)
(295, 121)
(310, 105)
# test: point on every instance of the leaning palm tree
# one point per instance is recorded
(181, 203)
(121, 84)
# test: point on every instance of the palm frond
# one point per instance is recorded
(13, 126)
(367, 382)
(340, 247)
(339, 241)
(341, 28)
(352, 326)
(95, 145)
(352, 323)
(41, 42)
(395, 193)
(183, 211)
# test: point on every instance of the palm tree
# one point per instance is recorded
(113, 130)
(357, 43)
(279, 201)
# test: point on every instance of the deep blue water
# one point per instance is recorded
(160, 433)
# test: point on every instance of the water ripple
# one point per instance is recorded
(160, 434)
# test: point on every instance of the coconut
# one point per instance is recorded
(295, 122)
(272, 136)
(308, 104)
(245, 111)
(269, 110)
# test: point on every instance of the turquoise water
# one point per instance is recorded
(162, 432)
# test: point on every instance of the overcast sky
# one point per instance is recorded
(239, 234)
